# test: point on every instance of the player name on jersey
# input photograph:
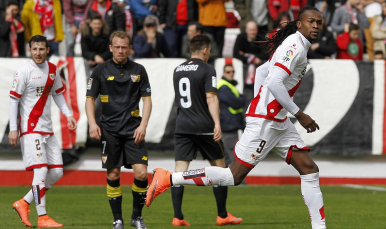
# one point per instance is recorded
(187, 68)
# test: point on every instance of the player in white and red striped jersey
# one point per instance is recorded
(33, 84)
(268, 128)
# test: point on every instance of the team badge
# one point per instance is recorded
(14, 83)
(104, 159)
(255, 156)
(289, 53)
(135, 78)
(89, 84)
(39, 155)
(214, 81)
(52, 76)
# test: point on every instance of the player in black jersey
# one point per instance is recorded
(198, 124)
(121, 84)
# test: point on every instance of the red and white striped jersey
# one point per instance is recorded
(291, 57)
(33, 84)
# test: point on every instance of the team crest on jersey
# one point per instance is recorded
(104, 159)
(89, 84)
(255, 156)
(14, 83)
(135, 78)
(39, 155)
(52, 76)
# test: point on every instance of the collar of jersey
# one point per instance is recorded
(38, 65)
(304, 40)
(119, 65)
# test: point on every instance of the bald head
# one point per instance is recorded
(251, 30)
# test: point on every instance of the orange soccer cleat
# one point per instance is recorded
(230, 219)
(22, 208)
(46, 221)
(179, 222)
(159, 184)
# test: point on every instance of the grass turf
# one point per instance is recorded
(270, 207)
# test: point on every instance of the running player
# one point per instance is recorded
(121, 84)
(198, 124)
(267, 125)
(32, 86)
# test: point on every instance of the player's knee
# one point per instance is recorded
(56, 173)
(309, 167)
(237, 179)
(141, 175)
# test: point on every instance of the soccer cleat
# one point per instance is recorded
(118, 224)
(22, 208)
(138, 223)
(180, 222)
(230, 219)
(159, 184)
(46, 221)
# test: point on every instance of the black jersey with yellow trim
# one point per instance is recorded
(120, 88)
(193, 79)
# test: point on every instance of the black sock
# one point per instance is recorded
(139, 195)
(221, 194)
(177, 195)
(114, 194)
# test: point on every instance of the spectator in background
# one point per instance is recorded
(275, 7)
(372, 9)
(251, 55)
(75, 12)
(194, 29)
(212, 16)
(42, 17)
(378, 55)
(95, 41)
(324, 47)
(11, 32)
(378, 30)
(231, 111)
(139, 10)
(174, 18)
(253, 10)
(111, 14)
(282, 20)
(349, 44)
(148, 43)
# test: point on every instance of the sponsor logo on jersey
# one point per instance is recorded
(214, 81)
(104, 159)
(289, 53)
(144, 158)
(135, 78)
(286, 58)
(303, 72)
(187, 68)
(14, 83)
(148, 90)
(135, 113)
(89, 84)
(194, 173)
(52, 76)
(110, 78)
(43, 91)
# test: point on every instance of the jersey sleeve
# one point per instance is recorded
(210, 81)
(287, 59)
(58, 87)
(145, 88)
(94, 84)
(18, 84)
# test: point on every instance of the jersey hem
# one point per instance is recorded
(35, 166)
(36, 132)
(243, 162)
(54, 166)
(266, 117)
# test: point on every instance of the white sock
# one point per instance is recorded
(204, 177)
(313, 198)
(39, 189)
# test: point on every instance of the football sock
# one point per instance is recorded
(29, 197)
(177, 195)
(221, 194)
(139, 194)
(212, 175)
(313, 198)
(114, 194)
(39, 190)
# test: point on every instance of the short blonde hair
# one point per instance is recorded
(120, 34)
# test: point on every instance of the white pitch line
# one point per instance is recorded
(364, 187)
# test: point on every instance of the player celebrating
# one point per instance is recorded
(267, 125)
(121, 83)
(32, 85)
(198, 124)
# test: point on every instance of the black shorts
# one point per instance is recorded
(117, 152)
(186, 146)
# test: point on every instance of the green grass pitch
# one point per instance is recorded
(261, 207)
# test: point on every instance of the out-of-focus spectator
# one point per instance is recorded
(11, 33)
(378, 55)
(43, 17)
(351, 12)
(324, 47)
(95, 41)
(372, 9)
(256, 10)
(282, 20)
(231, 111)
(349, 44)
(194, 29)
(139, 10)
(75, 12)
(378, 30)
(275, 7)
(111, 14)
(213, 17)
(174, 18)
(148, 43)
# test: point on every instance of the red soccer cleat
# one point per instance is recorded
(46, 221)
(22, 208)
(179, 222)
(230, 219)
(159, 184)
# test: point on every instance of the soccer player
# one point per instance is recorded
(32, 86)
(267, 125)
(121, 84)
(198, 124)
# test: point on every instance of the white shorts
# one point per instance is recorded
(40, 151)
(262, 136)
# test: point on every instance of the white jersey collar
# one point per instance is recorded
(38, 65)
(304, 40)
